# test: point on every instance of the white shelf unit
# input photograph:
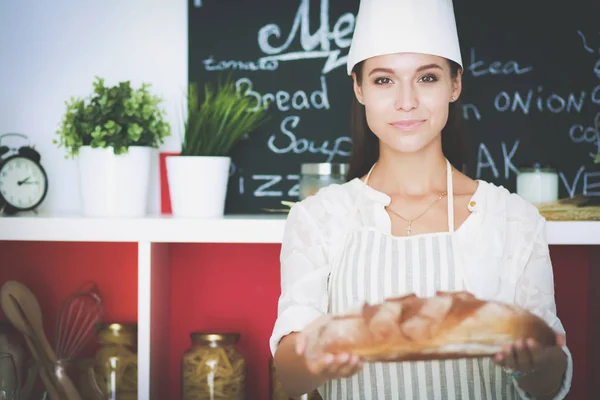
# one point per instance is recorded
(154, 229)
(230, 229)
(153, 235)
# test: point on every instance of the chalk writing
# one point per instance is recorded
(571, 189)
(299, 100)
(508, 156)
(297, 145)
(580, 134)
(589, 134)
(262, 65)
(585, 45)
(590, 188)
(316, 45)
(474, 109)
(485, 160)
(495, 68)
(553, 102)
(294, 190)
(262, 191)
(596, 95)
(488, 162)
(270, 185)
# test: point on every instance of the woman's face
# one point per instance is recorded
(406, 98)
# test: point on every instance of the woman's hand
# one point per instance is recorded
(327, 366)
(526, 356)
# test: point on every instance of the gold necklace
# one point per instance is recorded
(410, 221)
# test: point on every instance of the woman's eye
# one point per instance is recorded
(429, 78)
(383, 81)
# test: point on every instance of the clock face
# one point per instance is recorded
(22, 183)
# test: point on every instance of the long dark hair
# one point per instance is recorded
(365, 145)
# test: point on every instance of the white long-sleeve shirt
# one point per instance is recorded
(502, 246)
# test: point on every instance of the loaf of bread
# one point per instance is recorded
(445, 326)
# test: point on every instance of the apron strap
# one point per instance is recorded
(369, 174)
(450, 191)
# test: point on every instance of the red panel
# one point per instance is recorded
(225, 287)
(53, 270)
(236, 286)
(593, 373)
(165, 197)
(572, 291)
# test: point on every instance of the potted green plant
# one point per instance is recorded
(113, 134)
(199, 175)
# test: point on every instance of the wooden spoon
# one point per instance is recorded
(22, 305)
(13, 314)
(53, 392)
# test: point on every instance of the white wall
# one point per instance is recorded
(52, 50)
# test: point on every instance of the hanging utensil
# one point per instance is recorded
(78, 315)
(22, 308)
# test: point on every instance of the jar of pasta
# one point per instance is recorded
(213, 369)
(116, 361)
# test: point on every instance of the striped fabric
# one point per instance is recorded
(375, 265)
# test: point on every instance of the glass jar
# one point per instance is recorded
(538, 184)
(212, 368)
(11, 343)
(9, 383)
(116, 361)
(85, 378)
(317, 176)
(80, 374)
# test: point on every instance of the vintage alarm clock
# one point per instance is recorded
(23, 180)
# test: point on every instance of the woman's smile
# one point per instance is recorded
(408, 125)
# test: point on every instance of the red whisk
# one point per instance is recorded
(78, 316)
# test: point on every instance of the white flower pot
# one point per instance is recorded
(114, 185)
(198, 185)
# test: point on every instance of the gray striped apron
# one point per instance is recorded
(373, 265)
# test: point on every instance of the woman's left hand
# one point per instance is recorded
(525, 356)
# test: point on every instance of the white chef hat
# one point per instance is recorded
(399, 26)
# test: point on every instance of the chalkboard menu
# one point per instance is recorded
(531, 88)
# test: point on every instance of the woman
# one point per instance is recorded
(408, 221)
